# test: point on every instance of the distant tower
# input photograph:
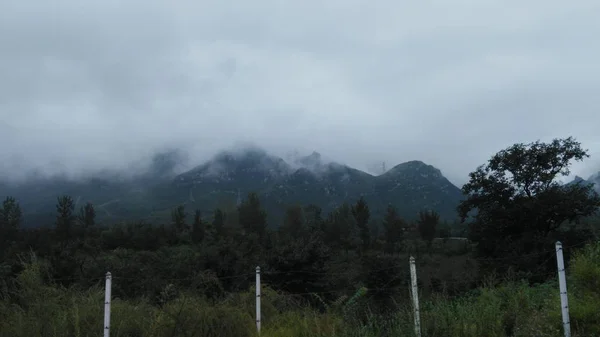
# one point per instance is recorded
(382, 167)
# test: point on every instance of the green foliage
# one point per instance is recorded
(394, 228)
(361, 214)
(178, 216)
(87, 215)
(65, 226)
(294, 222)
(11, 218)
(518, 202)
(584, 283)
(40, 308)
(198, 228)
(252, 217)
(428, 225)
(323, 274)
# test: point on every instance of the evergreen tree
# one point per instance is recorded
(65, 218)
(314, 218)
(341, 229)
(393, 229)
(252, 216)
(87, 215)
(198, 228)
(178, 216)
(218, 223)
(11, 218)
(427, 225)
(294, 224)
(361, 214)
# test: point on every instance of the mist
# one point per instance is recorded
(104, 86)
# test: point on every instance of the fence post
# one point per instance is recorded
(415, 296)
(258, 299)
(562, 283)
(107, 304)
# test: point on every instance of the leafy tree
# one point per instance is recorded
(87, 215)
(427, 225)
(10, 218)
(178, 216)
(65, 218)
(393, 229)
(517, 202)
(361, 214)
(252, 216)
(198, 228)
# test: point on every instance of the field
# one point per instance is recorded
(501, 307)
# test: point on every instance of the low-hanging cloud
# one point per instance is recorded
(86, 86)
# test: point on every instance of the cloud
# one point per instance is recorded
(101, 84)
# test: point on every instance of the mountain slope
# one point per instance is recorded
(229, 176)
(414, 186)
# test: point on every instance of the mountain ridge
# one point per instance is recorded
(219, 182)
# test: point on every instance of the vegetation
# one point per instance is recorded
(151, 197)
(337, 273)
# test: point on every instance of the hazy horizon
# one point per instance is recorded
(106, 84)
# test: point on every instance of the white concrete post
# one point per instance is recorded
(258, 299)
(415, 296)
(562, 283)
(107, 305)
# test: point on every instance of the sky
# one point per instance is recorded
(90, 85)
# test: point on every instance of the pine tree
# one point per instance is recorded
(361, 214)
(178, 216)
(87, 215)
(252, 216)
(393, 229)
(198, 228)
(218, 223)
(64, 218)
(294, 224)
(427, 225)
(10, 218)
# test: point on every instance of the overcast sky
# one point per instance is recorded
(98, 84)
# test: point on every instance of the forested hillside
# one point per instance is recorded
(225, 179)
(324, 273)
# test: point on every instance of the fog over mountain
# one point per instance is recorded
(105, 84)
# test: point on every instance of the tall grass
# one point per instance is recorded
(513, 308)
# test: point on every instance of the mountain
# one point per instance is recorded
(595, 179)
(230, 175)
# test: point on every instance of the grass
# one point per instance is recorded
(511, 308)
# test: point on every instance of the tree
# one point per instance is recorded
(361, 214)
(218, 223)
(340, 229)
(252, 216)
(314, 217)
(393, 229)
(87, 215)
(427, 225)
(178, 216)
(64, 218)
(10, 218)
(198, 228)
(517, 201)
(294, 223)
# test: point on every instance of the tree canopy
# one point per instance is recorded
(516, 201)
